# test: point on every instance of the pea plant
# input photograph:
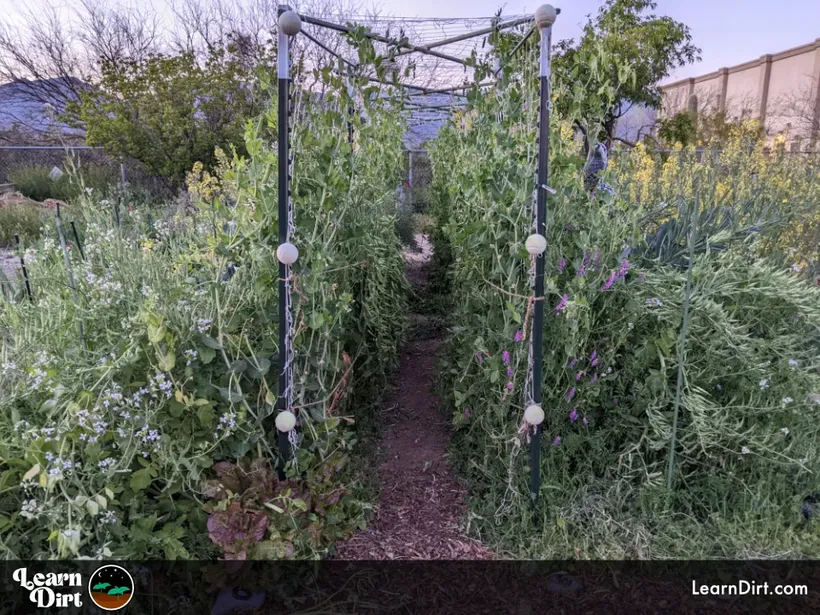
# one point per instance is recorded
(136, 384)
(681, 379)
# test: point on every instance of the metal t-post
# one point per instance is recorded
(544, 18)
(283, 121)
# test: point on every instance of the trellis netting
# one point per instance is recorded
(745, 391)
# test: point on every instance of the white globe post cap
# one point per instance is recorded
(536, 244)
(534, 415)
(290, 23)
(545, 15)
(285, 421)
(287, 253)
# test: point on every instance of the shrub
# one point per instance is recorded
(23, 219)
(34, 182)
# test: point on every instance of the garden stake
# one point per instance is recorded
(70, 274)
(77, 239)
(544, 18)
(23, 267)
(289, 25)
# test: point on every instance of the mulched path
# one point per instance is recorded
(421, 504)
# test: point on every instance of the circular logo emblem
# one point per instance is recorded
(111, 587)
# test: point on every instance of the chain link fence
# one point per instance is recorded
(23, 167)
(419, 180)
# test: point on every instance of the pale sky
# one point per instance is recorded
(728, 31)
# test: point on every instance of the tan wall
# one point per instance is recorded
(743, 92)
(760, 88)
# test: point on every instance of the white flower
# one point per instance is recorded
(787, 400)
(764, 384)
(784, 431)
(797, 268)
(630, 324)
(203, 324)
(745, 450)
(793, 363)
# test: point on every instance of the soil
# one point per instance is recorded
(421, 504)
(110, 602)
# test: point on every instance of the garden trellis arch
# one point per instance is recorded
(290, 26)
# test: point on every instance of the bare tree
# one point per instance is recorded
(801, 109)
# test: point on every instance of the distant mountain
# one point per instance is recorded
(636, 123)
(23, 105)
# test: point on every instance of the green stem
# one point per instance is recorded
(687, 293)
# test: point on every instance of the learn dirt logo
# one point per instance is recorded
(111, 587)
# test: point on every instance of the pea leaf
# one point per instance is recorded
(228, 395)
(206, 355)
(156, 333)
(141, 479)
(210, 342)
(260, 368)
(316, 320)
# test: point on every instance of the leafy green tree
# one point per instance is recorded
(170, 111)
(625, 34)
(680, 128)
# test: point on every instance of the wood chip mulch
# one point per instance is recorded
(421, 504)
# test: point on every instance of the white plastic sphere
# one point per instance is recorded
(290, 23)
(285, 421)
(287, 253)
(536, 244)
(545, 15)
(534, 415)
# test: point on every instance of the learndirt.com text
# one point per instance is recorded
(748, 588)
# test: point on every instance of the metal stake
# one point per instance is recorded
(23, 267)
(283, 120)
(545, 17)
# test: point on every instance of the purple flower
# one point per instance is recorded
(466, 412)
(586, 258)
(572, 363)
(518, 337)
(510, 386)
(562, 304)
(505, 356)
(581, 270)
(608, 284)
(557, 441)
(585, 421)
(562, 264)
(571, 394)
(593, 356)
(594, 362)
(623, 269)
(579, 375)
(509, 372)
(479, 358)
(573, 416)
(642, 278)
(594, 378)
(596, 257)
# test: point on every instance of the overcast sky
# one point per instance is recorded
(728, 31)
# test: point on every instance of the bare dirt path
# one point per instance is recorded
(421, 505)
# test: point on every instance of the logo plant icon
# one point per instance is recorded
(111, 587)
